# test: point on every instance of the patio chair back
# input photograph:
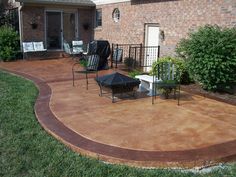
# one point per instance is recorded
(77, 47)
(90, 68)
(166, 71)
(28, 47)
(169, 75)
(38, 46)
(67, 48)
(93, 62)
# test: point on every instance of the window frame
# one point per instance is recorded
(98, 19)
(116, 15)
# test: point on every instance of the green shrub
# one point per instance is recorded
(210, 54)
(134, 73)
(180, 63)
(129, 62)
(9, 43)
(83, 63)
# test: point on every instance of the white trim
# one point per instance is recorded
(20, 25)
(147, 25)
(77, 24)
(149, 58)
(102, 2)
(45, 29)
(62, 29)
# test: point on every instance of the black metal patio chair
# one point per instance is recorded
(169, 75)
(90, 66)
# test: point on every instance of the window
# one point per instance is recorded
(116, 15)
(98, 17)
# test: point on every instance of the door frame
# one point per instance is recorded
(74, 11)
(61, 11)
(46, 25)
(146, 26)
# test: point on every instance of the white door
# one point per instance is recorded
(152, 32)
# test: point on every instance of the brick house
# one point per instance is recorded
(150, 22)
(53, 21)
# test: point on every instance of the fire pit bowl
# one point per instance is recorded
(117, 83)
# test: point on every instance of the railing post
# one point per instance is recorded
(116, 53)
(129, 51)
(112, 50)
(135, 53)
(141, 54)
(158, 54)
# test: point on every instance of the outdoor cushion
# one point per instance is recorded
(77, 43)
(38, 46)
(77, 47)
(93, 62)
(67, 48)
(28, 47)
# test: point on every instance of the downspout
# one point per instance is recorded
(20, 24)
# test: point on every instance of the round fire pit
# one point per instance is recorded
(117, 83)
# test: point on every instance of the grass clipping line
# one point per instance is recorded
(27, 150)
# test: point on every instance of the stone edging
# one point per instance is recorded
(186, 158)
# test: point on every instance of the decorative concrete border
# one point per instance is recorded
(186, 158)
(208, 96)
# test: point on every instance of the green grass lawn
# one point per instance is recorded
(27, 150)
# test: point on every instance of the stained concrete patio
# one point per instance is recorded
(133, 131)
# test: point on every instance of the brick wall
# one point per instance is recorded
(29, 14)
(85, 18)
(86, 21)
(175, 17)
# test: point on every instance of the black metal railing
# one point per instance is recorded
(121, 51)
(144, 56)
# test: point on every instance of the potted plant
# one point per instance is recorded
(129, 62)
(169, 71)
(134, 73)
(166, 87)
(83, 63)
(33, 23)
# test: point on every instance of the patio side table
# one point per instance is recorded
(146, 84)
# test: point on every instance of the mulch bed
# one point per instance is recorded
(223, 97)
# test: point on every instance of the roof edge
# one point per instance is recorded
(58, 3)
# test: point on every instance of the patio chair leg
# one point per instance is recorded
(87, 81)
(113, 100)
(100, 90)
(134, 94)
(153, 95)
(175, 93)
(179, 95)
(73, 75)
